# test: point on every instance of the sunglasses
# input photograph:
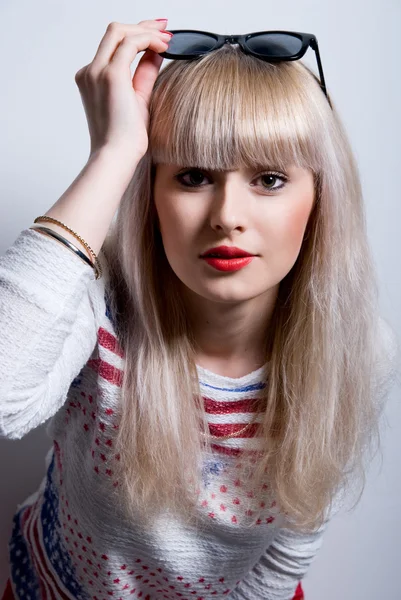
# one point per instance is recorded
(270, 46)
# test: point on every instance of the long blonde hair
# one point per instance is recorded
(322, 401)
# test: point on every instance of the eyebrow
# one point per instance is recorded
(255, 168)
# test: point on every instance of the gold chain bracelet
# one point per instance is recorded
(45, 218)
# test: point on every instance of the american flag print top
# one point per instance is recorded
(69, 540)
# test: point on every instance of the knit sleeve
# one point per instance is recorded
(280, 568)
(47, 326)
(285, 562)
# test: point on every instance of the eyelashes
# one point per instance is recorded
(195, 173)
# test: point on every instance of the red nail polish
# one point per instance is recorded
(161, 19)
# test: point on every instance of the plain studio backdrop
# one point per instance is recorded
(44, 144)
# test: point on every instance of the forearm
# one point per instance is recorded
(89, 204)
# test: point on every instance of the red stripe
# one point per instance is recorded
(8, 592)
(38, 561)
(112, 374)
(230, 428)
(50, 589)
(109, 341)
(27, 518)
(55, 591)
(299, 593)
(229, 451)
(246, 405)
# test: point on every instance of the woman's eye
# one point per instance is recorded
(275, 177)
(194, 177)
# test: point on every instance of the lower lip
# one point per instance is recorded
(228, 264)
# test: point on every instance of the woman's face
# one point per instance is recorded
(260, 211)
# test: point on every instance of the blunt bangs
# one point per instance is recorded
(235, 110)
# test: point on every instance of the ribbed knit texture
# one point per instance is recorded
(60, 358)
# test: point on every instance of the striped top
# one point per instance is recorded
(61, 363)
(230, 405)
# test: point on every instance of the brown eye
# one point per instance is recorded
(194, 178)
(272, 177)
(269, 179)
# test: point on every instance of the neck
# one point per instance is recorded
(231, 336)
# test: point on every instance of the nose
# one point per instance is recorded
(228, 210)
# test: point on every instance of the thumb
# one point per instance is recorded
(146, 74)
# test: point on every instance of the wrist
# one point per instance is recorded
(117, 157)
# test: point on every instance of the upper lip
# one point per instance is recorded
(227, 251)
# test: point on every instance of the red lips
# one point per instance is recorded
(226, 252)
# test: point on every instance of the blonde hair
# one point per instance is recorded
(321, 408)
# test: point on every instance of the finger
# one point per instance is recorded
(132, 44)
(146, 73)
(128, 47)
(154, 23)
(115, 33)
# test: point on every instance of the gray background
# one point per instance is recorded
(44, 143)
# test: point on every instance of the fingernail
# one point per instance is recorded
(161, 19)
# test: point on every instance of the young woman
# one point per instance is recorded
(209, 413)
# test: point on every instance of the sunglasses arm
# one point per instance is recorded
(315, 47)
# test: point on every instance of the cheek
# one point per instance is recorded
(289, 229)
(177, 228)
(297, 222)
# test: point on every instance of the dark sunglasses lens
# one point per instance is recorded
(275, 44)
(191, 43)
